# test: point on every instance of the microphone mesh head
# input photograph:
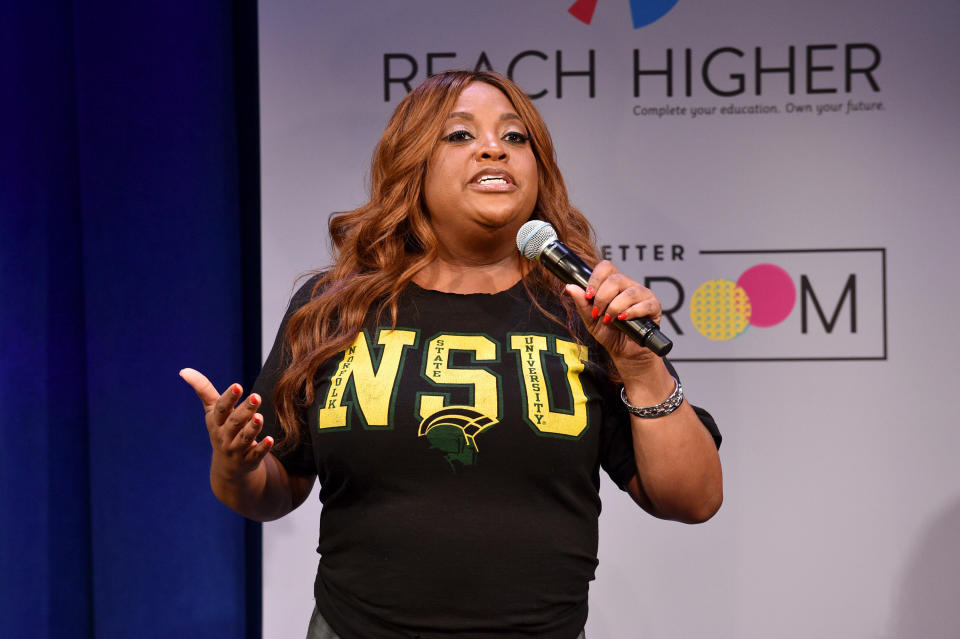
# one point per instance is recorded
(533, 236)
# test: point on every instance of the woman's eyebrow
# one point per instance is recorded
(465, 115)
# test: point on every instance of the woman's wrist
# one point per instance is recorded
(664, 408)
(646, 382)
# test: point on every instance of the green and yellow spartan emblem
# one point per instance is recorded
(453, 430)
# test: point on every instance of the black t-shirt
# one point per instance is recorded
(458, 456)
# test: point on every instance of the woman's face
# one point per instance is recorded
(482, 175)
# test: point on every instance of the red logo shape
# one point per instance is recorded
(583, 10)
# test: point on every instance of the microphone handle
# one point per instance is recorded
(568, 266)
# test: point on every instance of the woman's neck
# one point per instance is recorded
(459, 274)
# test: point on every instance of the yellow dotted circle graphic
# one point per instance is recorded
(720, 309)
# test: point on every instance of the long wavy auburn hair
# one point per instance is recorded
(380, 247)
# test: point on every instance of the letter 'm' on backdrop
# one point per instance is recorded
(784, 175)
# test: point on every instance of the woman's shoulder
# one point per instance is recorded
(306, 288)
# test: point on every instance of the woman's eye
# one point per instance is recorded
(515, 137)
(458, 136)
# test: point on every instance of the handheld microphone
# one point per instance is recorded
(537, 241)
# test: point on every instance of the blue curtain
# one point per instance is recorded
(129, 200)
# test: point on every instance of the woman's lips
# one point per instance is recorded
(493, 180)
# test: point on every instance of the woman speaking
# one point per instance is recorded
(455, 400)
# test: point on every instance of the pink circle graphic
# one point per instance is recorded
(771, 291)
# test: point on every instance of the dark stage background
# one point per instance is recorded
(129, 191)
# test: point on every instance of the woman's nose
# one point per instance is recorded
(491, 148)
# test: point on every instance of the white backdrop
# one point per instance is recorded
(842, 511)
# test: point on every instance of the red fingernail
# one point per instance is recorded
(606, 318)
(269, 439)
(235, 389)
(254, 399)
(258, 419)
(595, 312)
(589, 293)
(622, 316)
